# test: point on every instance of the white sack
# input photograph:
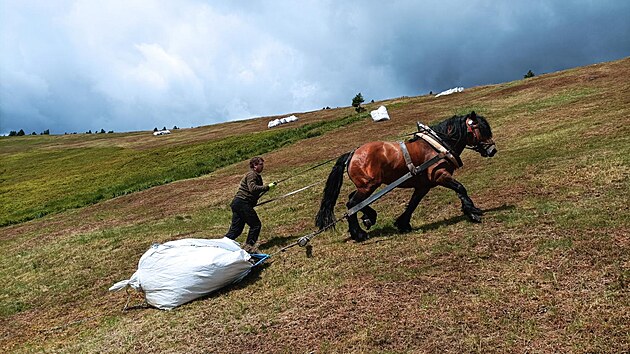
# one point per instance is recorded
(379, 114)
(280, 121)
(176, 272)
(450, 91)
(273, 123)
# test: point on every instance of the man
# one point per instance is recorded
(249, 190)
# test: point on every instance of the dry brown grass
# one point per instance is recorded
(547, 270)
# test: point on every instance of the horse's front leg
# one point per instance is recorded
(403, 221)
(468, 207)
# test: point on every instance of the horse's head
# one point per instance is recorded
(479, 135)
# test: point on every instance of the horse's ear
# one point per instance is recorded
(473, 115)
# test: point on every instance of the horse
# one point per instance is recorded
(376, 163)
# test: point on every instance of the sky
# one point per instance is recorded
(130, 65)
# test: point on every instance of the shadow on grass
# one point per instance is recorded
(278, 241)
(389, 230)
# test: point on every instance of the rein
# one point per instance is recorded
(297, 190)
(289, 194)
(308, 169)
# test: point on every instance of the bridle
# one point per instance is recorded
(472, 137)
(473, 140)
(473, 130)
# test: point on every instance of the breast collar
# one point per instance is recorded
(431, 138)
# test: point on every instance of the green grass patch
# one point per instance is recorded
(555, 244)
(560, 99)
(39, 182)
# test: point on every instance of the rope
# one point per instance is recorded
(304, 240)
(308, 169)
(288, 194)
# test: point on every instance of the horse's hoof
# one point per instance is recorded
(403, 228)
(360, 236)
(472, 210)
(367, 223)
(474, 218)
(476, 210)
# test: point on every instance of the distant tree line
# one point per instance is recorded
(102, 131)
(47, 132)
(164, 128)
(21, 132)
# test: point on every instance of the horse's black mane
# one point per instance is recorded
(453, 131)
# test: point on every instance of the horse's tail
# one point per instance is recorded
(326, 214)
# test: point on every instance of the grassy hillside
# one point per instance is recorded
(546, 271)
(43, 175)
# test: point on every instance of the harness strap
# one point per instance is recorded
(408, 161)
(417, 169)
(455, 160)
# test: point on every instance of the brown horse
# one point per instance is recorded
(377, 163)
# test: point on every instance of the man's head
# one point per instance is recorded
(257, 164)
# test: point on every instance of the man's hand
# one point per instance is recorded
(272, 185)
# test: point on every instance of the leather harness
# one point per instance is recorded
(437, 145)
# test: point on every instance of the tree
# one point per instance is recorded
(46, 132)
(102, 131)
(155, 129)
(175, 127)
(528, 75)
(21, 132)
(12, 133)
(164, 128)
(356, 103)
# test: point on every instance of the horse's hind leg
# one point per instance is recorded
(356, 232)
(403, 221)
(369, 215)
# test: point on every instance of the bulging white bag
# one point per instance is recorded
(379, 114)
(176, 272)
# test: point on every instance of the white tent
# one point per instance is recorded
(379, 114)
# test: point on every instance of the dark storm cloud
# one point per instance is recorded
(134, 65)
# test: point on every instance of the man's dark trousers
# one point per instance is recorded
(244, 213)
